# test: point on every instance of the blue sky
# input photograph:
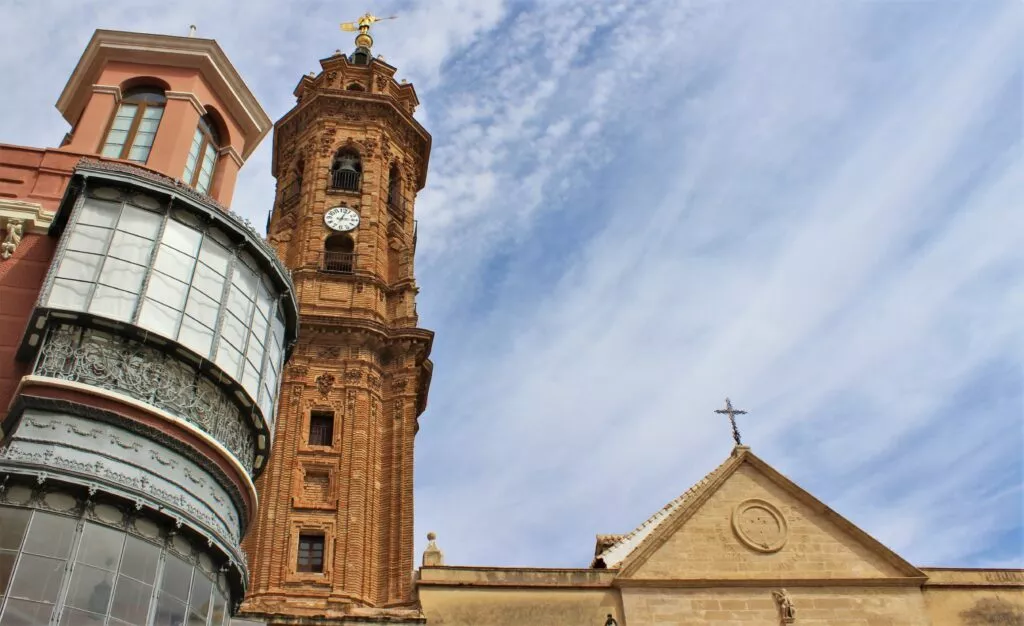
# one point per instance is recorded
(636, 209)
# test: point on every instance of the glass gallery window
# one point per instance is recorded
(131, 261)
(90, 572)
(202, 157)
(134, 126)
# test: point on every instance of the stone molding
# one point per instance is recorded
(232, 154)
(113, 90)
(34, 218)
(189, 97)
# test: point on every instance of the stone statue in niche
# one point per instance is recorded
(13, 238)
(786, 610)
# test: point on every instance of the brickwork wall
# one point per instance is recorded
(706, 546)
(851, 606)
(21, 276)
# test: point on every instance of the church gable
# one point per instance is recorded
(750, 522)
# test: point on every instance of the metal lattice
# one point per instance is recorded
(103, 360)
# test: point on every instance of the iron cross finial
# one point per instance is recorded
(732, 413)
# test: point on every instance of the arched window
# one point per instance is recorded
(339, 253)
(395, 204)
(134, 127)
(346, 170)
(202, 158)
(355, 87)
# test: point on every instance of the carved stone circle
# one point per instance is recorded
(760, 525)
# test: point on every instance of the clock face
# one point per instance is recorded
(341, 218)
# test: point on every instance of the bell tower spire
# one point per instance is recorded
(335, 534)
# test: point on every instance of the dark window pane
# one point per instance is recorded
(321, 428)
(158, 317)
(181, 237)
(131, 600)
(234, 331)
(177, 578)
(114, 303)
(90, 589)
(101, 547)
(7, 558)
(195, 336)
(219, 608)
(169, 612)
(89, 239)
(69, 294)
(216, 256)
(37, 578)
(167, 291)
(79, 266)
(131, 248)
(12, 526)
(238, 303)
(123, 275)
(25, 613)
(311, 553)
(140, 560)
(99, 213)
(75, 617)
(50, 535)
(139, 222)
(199, 599)
(174, 263)
(208, 281)
(202, 308)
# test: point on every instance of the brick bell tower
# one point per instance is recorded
(334, 539)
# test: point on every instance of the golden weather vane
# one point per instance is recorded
(363, 24)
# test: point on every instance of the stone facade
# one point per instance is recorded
(361, 363)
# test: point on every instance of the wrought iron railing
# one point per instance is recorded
(320, 435)
(108, 361)
(340, 262)
(345, 180)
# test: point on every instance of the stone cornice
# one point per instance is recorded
(113, 90)
(232, 154)
(190, 97)
(34, 218)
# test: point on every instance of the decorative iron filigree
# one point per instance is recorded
(100, 359)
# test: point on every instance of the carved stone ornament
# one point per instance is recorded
(100, 359)
(760, 525)
(787, 612)
(12, 239)
(324, 383)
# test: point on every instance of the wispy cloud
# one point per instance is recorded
(634, 209)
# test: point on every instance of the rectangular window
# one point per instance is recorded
(311, 552)
(321, 428)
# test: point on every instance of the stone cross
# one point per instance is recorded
(732, 413)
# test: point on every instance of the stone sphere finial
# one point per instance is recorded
(431, 536)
